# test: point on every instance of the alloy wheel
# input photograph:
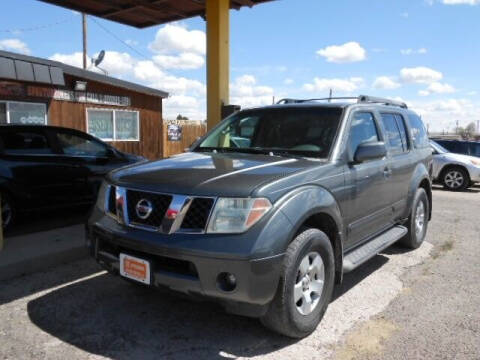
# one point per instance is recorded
(454, 179)
(309, 283)
(419, 218)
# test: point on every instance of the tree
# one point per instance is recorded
(180, 117)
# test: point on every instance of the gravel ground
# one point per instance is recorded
(400, 305)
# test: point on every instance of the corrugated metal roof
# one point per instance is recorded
(29, 68)
(144, 13)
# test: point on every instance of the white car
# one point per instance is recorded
(455, 171)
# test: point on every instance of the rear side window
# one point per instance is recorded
(25, 143)
(396, 134)
(475, 149)
(363, 130)
(419, 134)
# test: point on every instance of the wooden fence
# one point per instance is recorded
(190, 131)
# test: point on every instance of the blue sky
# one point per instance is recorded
(422, 51)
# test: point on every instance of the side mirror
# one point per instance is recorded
(370, 151)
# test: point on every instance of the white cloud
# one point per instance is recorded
(461, 2)
(385, 82)
(244, 91)
(437, 88)
(443, 114)
(131, 42)
(288, 81)
(14, 45)
(115, 63)
(153, 76)
(173, 38)
(420, 51)
(420, 75)
(342, 85)
(184, 61)
(348, 52)
(188, 106)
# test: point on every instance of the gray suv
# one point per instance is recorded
(268, 210)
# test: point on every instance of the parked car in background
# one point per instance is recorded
(47, 167)
(464, 147)
(267, 211)
(455, 171)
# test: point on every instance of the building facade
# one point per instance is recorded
(40, 91)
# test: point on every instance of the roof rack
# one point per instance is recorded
(365, 99)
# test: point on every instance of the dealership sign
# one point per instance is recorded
(79, 96)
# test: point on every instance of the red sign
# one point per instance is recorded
(11, 89)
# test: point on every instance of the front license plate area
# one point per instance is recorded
(135, 268)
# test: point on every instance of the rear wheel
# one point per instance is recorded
(418, 221)
(305, 288)
(455, 179)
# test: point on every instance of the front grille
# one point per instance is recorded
(197, 215)
(160, 204)
(112, 207)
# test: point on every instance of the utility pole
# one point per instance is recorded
(478, 127)
(330, 96)
(84, 27)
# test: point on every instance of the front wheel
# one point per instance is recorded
(418, 221)
(305, 288)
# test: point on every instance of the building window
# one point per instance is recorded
(13, 112)
(113, 125)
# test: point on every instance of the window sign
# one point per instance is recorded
(116, 125)
(126, 125)
(100, 124)
(26, 113)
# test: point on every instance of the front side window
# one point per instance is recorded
(113, 125)
(25, 113)
(26, 143)
(75, 145)
(298, 131)
(419, 134)
(475, 149)
(362, 130)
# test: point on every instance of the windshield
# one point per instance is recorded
(438, 148)
(306, 132)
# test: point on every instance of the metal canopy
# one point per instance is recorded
(144, 13)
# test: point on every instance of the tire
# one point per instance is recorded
(455, 179)
(284, 314)
(415, 235)
(8, 212)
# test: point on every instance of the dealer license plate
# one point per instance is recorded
(135, 268)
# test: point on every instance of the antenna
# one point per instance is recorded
(99, 58)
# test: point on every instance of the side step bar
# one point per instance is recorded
(361, 254)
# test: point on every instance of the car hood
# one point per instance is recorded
(209, 174)
(466, 159)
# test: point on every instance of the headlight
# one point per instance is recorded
(101, 196)
(236, 215)
(475, 162)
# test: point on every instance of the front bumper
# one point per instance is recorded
(474, 174)
(192, 273)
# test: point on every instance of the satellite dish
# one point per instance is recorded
(99, 58)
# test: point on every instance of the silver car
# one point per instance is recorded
(455, 171)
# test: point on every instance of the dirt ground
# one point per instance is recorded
(400, 305)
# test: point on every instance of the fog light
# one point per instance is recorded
(226, 281)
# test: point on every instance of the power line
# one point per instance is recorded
(119, 39)
(38, 27)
